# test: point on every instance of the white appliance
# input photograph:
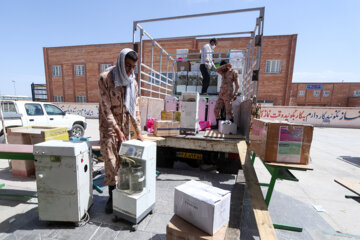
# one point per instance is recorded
(133, 207)
(189, 112)
(63, 179)
(227, 127)
(211, 107)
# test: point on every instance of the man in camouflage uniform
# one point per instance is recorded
(118, 107)
(227, 94)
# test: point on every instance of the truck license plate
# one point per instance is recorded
(197, 156)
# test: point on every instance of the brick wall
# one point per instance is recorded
(277, 86)
(340, 95)
(354, 102)
(273, 87)
(69, 85)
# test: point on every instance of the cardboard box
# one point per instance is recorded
(171, 115)
(32, 135)
(195, 56)
(133, 134)
(227, 127)
(204, 206)
(183, 66)
(285, 142)
(179, 229)
(166, 128)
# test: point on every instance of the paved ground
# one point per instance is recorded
(20, 220)
(335, 153)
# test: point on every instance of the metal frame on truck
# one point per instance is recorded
(160, 85)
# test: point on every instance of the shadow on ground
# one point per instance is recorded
(6, 174)
(287, 210)
(351, 160)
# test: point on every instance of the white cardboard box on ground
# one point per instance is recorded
(227, 127)
(204, 206)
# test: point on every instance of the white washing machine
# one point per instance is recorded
(133, 207)
(63, 179)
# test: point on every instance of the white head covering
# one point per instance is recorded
(122, 79)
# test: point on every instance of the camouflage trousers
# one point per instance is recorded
(228, 108)
(110, 147)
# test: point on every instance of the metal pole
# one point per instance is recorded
(201, 15)
(206, 35)
(14, 86)
(134, 30)
(167, 73)
(152, 65)
(252, 58)
(261, 31)
(140, 60)
(161, 52)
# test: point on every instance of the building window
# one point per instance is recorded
(273, 66)
(104, 66)
(357, 93)
(301, 93)
(58, 98)
(326, 93)
(79, 70)
(80, 99)
(317, 93)
(56, 71)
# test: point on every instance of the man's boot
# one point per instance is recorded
(109, 203)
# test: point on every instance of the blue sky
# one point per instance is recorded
(327, 46)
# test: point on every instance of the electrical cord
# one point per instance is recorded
(84, 220)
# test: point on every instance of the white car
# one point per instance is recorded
(26, 113)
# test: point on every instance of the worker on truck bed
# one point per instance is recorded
(227, 94)
(207, 63)
(118, 106)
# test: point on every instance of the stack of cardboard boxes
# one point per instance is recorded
(169, 125)
(283, 142)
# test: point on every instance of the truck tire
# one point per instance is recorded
(77, 131)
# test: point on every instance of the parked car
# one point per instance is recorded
(25, 113)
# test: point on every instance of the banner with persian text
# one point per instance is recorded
(318, 116)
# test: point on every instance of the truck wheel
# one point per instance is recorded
(77, 131)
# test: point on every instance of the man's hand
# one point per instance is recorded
(234, 98)
(120, 135)
(140, 137)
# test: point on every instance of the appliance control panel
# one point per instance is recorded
(132, 151)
